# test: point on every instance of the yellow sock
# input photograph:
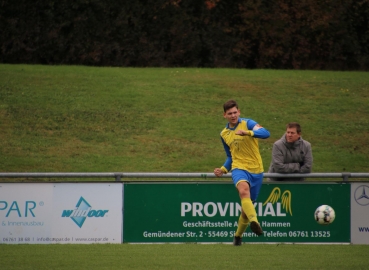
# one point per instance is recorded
(242, 226)
(249, 209)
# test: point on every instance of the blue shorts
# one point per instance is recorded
(255, 181)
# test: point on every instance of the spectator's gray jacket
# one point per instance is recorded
(287, 157)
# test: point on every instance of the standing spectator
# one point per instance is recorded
(291, 154)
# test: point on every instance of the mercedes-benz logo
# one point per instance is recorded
(362, 195)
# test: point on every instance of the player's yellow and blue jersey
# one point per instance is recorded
(243, 151)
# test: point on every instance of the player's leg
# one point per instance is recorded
(255, 186)
(248, 186)
(243, 223)
(248, 208)
(241, 181)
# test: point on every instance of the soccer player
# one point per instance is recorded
(240, 141)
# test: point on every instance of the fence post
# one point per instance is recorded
(118, 177)
(346, 176)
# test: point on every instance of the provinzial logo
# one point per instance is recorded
(271, 207)
(82, 211)
(286, 199)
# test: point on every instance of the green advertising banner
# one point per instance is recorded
(209, 211)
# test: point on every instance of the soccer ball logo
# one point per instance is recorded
(324, 215)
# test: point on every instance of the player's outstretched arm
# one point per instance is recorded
(218, 172)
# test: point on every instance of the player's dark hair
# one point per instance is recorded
(229, 105)
(294, 125)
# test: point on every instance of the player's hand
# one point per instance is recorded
(243, 132)
(218, 172)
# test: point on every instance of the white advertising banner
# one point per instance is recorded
(360, 213)
(25, 211)
(60, 213)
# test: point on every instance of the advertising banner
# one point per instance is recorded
(25, 212)
(45, 213)
(360, 213)
(208, 212)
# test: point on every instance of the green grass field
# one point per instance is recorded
(89, 119)
(184, 256)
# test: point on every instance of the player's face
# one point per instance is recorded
(292, 135)
(232, 116)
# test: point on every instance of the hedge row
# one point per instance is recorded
(288, 34)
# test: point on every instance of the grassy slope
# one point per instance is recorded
(87, 119)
